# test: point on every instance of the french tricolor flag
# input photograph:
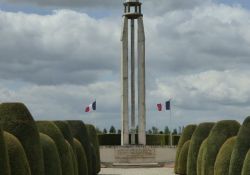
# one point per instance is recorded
(91, 107)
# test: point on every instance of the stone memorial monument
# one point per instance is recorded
(132, 13)
(130, 154)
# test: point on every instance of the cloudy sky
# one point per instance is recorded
(57, 56)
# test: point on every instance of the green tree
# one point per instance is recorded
(119, 131)
(166, 130)
(104, 131)
(174, 131)
(98, 131)
(155, 130)
(112, 130)
(149, 131)
(137, 129)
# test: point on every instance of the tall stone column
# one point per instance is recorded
(132, 81)
(141, 83)
(124, 84)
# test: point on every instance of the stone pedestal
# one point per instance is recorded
(131, 155)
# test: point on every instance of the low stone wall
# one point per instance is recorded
(137, 154)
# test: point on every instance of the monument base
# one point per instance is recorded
(136, 155)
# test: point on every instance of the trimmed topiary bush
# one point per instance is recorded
(200, 158)
(199, 135)
(65, 130)
(246, 165)
(73, 157)
(242, 145)
(81, 158)
(217, 137)
(17, 158)
(222, 162)
(80, 132)
(50, 129)
(186, 135)
(94, 159)
(4, 158)
(155, 139)
(52, 163)
(17, 120)
(182, 161)
(94, 140)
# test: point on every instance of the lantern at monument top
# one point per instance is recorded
(132, 9)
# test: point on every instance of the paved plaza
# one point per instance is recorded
(137, 171)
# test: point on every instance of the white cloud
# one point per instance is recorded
(198, 56)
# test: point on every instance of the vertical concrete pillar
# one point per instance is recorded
(141, 83)
(132, 81)
(124, 84)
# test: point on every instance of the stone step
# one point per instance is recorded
(136, 165)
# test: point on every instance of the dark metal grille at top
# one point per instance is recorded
(132, 10)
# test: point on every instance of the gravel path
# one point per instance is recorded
(137, 171)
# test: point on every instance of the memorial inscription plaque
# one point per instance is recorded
(135, 153)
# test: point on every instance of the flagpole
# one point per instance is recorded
(170, 112)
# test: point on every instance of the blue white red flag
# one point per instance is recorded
(91, 107)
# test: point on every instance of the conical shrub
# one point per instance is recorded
(199, 135)
(65, 130)
(201, 158)
(182, 161)
(17, 120)
(73, 157)
(52, 163)
(242, 145)
(80, 132)
(186, 135)
(94, 158)
(17, 158)
(50, 129)
(217, 137)
(4, 158)
(94, 140)
(81, 158)
(222, 162)
(246, 165)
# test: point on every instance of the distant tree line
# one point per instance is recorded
(153, 130)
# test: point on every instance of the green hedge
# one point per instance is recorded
(200, 158)
(182, 161)
(94, 140)
(52, 163)
(80, 132)
(81, 158)
(68, 136)
(17, 120)
(94, 159)
(246, 165)
(50, 129)
(222, 162)
(217, 137)
(4, 158)
(115, 139)
(175, 139)
(155, 139)
(200, 134)
(241, 148)
(73, 157)
(109, 139)
(17, 158)
(65, 130)
(186, 135)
